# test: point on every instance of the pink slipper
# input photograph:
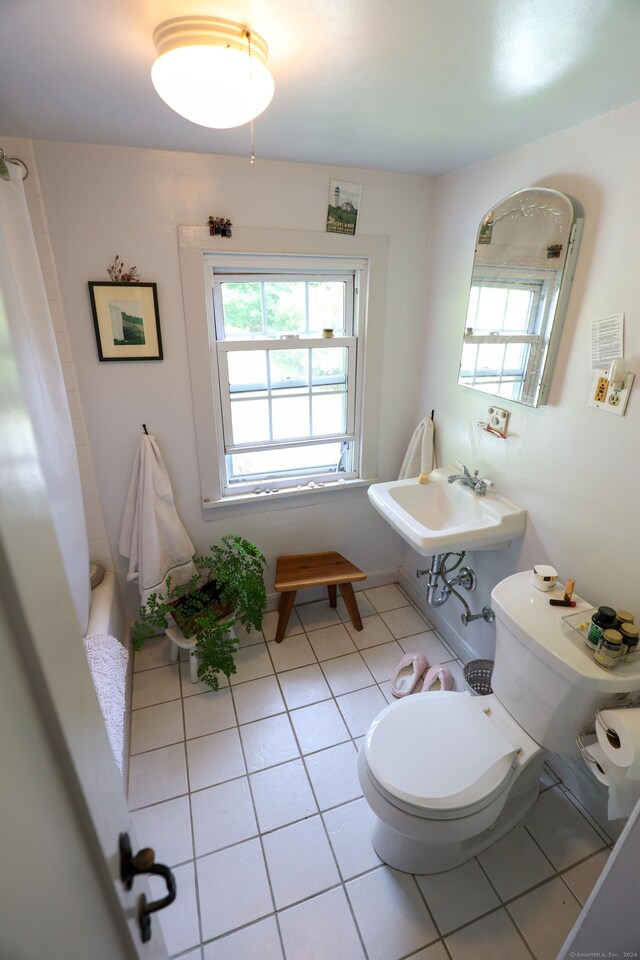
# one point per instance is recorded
(438, 677)
(407, 674)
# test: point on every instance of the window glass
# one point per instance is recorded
(242, 310)
(285, 308)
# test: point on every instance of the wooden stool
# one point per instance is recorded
(327, 569)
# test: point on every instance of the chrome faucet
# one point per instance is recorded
(475, 483)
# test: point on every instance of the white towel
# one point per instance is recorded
(419, 456)
(108, 665)
(152, 534)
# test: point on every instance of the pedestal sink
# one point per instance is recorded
(440, 517)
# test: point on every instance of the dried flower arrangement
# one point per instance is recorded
(119, 274)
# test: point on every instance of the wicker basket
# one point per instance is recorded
(477, 676)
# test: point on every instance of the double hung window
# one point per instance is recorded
(287, 344)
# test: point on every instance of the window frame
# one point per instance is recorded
(253, 269)
(308, 248)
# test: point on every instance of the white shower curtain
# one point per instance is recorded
(24, 300)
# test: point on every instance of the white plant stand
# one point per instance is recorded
(180, 642)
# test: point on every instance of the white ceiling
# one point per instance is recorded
(417, 86)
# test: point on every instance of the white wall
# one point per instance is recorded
(102, 201)
(573, 468)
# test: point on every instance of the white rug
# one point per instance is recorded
(108, 664)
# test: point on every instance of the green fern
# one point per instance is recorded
(227, 590)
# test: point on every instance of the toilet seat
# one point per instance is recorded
(439, 755)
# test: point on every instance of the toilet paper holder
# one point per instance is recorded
(624, 704)
(588, 758)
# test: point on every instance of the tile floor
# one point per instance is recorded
(251, 795)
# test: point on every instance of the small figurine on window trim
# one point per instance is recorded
(219, 227)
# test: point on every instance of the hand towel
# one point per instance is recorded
(152, 534)
(419, 456)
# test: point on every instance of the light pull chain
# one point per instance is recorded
(253, 146)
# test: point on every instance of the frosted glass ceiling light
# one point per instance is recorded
(211, 71)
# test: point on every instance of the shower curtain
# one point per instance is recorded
(23, 298)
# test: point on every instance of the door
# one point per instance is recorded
(62, 805)
(609, 925)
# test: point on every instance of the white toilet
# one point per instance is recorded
(447, 774)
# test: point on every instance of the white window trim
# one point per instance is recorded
(355, 277)
(307, 246)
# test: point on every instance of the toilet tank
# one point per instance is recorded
(543, 673)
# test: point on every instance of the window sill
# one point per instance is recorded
(269, 500)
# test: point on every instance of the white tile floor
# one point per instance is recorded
(251, 795)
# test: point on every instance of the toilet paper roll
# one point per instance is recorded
(618, 733)
(623, 796)
(597, 762)
(623, 792)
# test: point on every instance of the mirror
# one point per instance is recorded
(522, 271)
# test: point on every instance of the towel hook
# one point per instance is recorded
(21, 163)
(144, 427)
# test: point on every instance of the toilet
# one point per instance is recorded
(447, 774)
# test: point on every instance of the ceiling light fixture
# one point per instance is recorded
(212, 71)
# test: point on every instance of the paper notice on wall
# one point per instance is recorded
(607, 341)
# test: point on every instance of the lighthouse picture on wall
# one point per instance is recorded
(344, 203)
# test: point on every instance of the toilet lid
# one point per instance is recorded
(439, 750)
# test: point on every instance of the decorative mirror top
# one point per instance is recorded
(519, 288)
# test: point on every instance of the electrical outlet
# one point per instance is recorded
(498, 418)
(601, 390)
(604, 397)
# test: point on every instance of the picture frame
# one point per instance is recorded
(126, 320)
(343, 207)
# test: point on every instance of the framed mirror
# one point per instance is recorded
(522, 270)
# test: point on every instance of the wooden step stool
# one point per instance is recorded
(327, 569)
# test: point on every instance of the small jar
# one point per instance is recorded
(630, 636)
(603, 619)
(609, 649)
(623, 616)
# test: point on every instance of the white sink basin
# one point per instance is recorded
(438, 517)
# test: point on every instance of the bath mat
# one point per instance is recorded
(108, 665)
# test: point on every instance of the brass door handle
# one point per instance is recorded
(144, 862)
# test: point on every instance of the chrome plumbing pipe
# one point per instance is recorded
(466, 579)
(439, 572)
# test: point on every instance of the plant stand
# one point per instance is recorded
(180, 642)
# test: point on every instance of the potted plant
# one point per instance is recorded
(228, 589)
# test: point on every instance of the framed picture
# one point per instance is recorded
(344, 204)
(126, 320)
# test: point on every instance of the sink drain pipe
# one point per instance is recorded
(439, 580)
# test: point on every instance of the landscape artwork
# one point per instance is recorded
(344, 204)
(127, 325)
(126, 320)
